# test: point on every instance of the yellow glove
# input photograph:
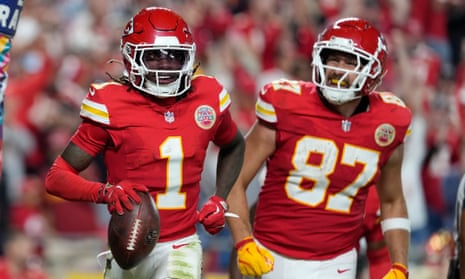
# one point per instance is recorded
(253, 260)
(397, 271)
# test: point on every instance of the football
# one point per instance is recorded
(133, 235)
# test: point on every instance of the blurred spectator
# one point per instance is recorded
(455, 31)
(433, 32)
(18, 261)
(254, 36)
(30, 75)
(28, 214)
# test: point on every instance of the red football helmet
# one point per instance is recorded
(158, 52)
(356, 37)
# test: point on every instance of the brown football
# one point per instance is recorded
(133, 235)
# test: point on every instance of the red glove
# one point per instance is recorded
(212, 214)
(119, 196)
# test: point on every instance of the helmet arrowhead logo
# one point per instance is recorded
(129, 28)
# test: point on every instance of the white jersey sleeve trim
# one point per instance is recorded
(95, 111)
(225, 100)
(265, 111)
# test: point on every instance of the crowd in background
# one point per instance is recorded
(62, 46)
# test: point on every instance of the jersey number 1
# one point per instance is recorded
(173, 198)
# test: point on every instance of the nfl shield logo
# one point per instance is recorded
(169, 116)
(345, 125)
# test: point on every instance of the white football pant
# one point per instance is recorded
(177, 259)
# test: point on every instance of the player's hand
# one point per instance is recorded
(252, 259)
(397, 271)
(212, 214)
(120, 196)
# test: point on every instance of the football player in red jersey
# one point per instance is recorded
(376, 252)
(153, 127)
(324, 144)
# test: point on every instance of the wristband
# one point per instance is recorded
(399, 223)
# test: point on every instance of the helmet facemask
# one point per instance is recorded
(155, 81)
(368, 71)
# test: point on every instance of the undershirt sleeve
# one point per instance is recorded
(64, 181)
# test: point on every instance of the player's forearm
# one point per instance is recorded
(396, 229)
(398, 242)
(237, 201)
(64, 181)
(230, 161)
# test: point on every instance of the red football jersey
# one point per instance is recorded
(160, 145)
(313, 199)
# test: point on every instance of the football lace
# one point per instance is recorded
(133, 236)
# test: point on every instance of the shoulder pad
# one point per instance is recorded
(205, 83)
(95, 106)
(271, 94)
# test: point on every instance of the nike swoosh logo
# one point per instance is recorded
(177, 246)
(342, 270)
